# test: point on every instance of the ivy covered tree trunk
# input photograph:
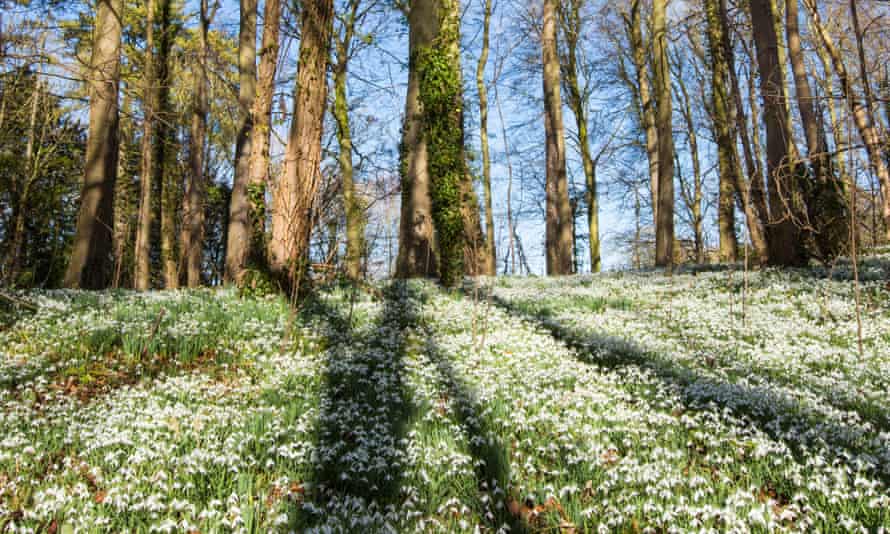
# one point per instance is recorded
(784, 235)
(727, 162)
(238, 236)
(664, 224)
(490, 249)
(352, 204)
(90, 264)
(558, 215)
(293, 215)
(418, 256)
(441, 98)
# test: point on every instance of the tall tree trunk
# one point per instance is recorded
(576, 101)
(89, 266)
(418, 255)
(192, 237)
(162, 177)
(454, 206)
(880, 169)
(647, 104)
(142, 276)
(490, 249)
(664, 227)
(295, 196)
(693, 198)
(726, 152)
(262, 129)
(558, 209)
(352, 205)
(750, 191)
(862, 114)
(784, 235)
(825, 198)
(238, 237)
(123, 197)
(816, 149)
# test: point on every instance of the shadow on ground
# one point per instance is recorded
(769, 411)
(366, 412)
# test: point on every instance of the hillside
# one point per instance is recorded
(623, 402)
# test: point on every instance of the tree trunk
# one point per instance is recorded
(558, 209)
(238, 237)
(455, 209)
(352, 205)
(192, 237)
(664, 227)
(693, 198)
(90, 257)
(784, 235)
(816, 149)
(725, 138)
(862, 115)
(162, 177)
(826, 201)
(258, 180)
(293, 216)
(490, 249)
(750, 190)
(879, 164)
(123, 197)
(647, 104)
(576, 101)
(417, 247)
(142, 276)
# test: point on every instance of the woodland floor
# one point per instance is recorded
(622, 402)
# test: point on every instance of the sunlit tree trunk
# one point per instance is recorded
(239, 232)
(727, 162)
(825, 198)
(258, 181)
(862, 114)
(162, 168)
(749, 190)
(558, 209)
(490, 249)
(123, 197)
(572, 28)
(694, 197)
(192, 240)
(417, 248)
(90, 264)
(293, 215)
(647, 104)
(142, 276)
(352, 204)
(664, 227)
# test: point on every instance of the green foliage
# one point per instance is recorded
(40, 189)
(438, 67)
